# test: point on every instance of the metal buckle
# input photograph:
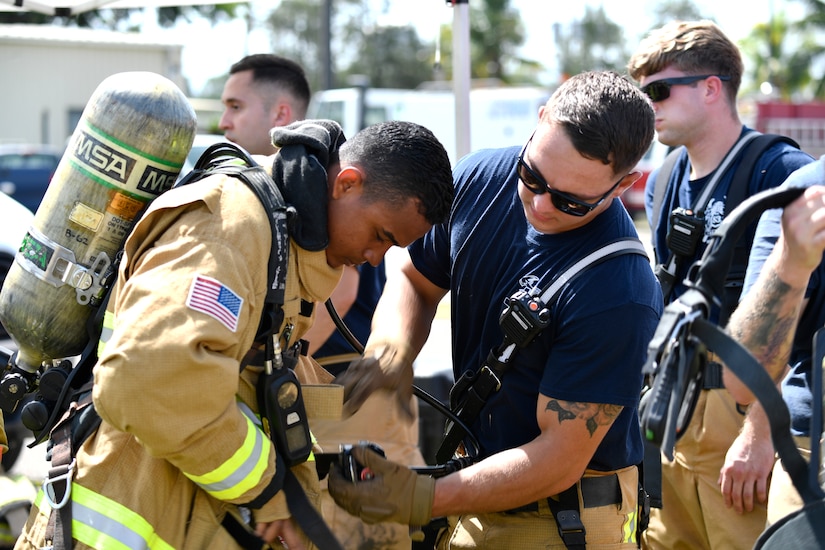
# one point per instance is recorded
(49, 491)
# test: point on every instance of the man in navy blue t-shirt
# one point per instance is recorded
(564, 420)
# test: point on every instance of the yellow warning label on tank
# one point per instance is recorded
(86, 216)
(124, 206)
(118, 166)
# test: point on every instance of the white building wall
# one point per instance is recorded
(49, 73)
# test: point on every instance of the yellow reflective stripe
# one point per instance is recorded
(106, 332)
(41, 503)
(629, 527)
(256, 419)
(242, 472)
(311, 457)
(104, 524)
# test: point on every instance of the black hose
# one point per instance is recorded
(417, 391)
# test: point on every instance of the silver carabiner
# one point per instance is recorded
(48, 487)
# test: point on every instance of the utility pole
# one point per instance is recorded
(461, 74)
(326, 49)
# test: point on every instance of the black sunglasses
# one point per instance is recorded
(659, 90)
(563, 202)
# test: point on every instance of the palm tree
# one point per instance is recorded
(814, 25)
(774, 61)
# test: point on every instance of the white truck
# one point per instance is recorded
(499, 116)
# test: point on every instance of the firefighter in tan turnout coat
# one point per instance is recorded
(180, 446)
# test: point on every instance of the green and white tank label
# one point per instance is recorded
(116, 165)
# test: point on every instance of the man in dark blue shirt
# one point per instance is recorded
(564, 419)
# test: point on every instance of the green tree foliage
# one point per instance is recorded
(295, 27)
(387, 56)
(496, 33)
(675, 10)
(813, 25)
(772, 59)
(121, 19)
(592, 43)
(392, 57)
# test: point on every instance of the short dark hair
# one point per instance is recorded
(403, 160)
(694, 47)
(606, 117)
(278, 71)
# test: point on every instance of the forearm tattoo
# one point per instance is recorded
(767, 327)
(593, 414)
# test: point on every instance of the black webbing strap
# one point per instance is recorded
(311, 522)
(651, 473)
(245, 538)
(213, 161)
(751, 373)
(58, 487)
(738, 191)
(67, 437)
(667, 271)
(712, 377)
(221, 158)
(660, 186)
(471, 392)
(568, 518)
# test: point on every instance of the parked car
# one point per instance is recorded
(14, 223)
(634, 198)
(26, 170)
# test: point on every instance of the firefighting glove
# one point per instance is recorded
(391, 492)
(384, 365)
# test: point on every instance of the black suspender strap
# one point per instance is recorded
(660, 186)
(666, 272)
(568, 518)
(471, 391)
(242, 534)
(754, 376)
(310, 521)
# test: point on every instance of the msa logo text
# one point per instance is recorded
(155, 181)
(103, 159)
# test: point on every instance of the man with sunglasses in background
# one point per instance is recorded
(564, 419)
(714, 491)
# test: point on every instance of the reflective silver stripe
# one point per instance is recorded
(103, 526)
(102, 523)
(243, 470)
(250, 414)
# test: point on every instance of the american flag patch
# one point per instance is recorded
(212, 297)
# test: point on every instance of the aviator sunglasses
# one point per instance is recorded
(563, 202)
(659, 90)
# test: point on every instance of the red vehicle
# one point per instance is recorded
(634, 198)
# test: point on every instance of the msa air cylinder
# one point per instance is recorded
(128, 147)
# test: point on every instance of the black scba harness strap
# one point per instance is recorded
(81, 420)
(270, 195)
(677, 354)
(676, 359)
(527, 314)
(217, 159)
(750, 148)
(804, 528)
